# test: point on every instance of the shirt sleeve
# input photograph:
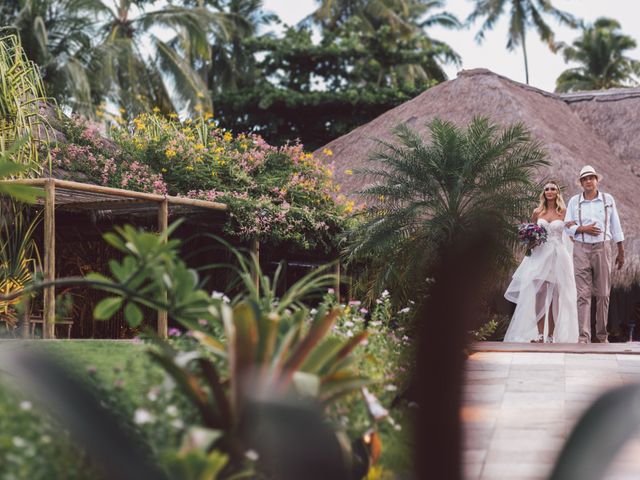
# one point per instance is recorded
(571, 217)
(616, 228)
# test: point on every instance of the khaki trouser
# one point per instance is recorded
(592, 268)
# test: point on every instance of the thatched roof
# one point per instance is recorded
(597, 128)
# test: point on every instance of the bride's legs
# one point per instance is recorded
(541, 300)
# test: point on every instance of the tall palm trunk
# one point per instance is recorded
(524, 51)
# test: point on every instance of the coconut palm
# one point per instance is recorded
(232, 64)
(523, 15)
(135, 68)
(428, 195)
(395, 24)
(56, 35)
(600, 51)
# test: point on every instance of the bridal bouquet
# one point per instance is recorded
(531, 235)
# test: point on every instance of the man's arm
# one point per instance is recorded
(616, 234)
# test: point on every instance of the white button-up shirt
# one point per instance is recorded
(594, 211)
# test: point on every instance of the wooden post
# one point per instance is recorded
(49, 314)
(336, 272)
(254, 248)
(26, 317)
(163, 224)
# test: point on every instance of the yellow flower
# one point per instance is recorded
(164, 170)
(327, 152)
(227, 137)
(199, 146)
(173, 115)
(348, 172)
(189, 168)
(348, 208)
(213, 173)
(200, 95)
(122, 110)
(198, 107)
(381, 198)
(170, 152)
(156, 110)
(208, 116)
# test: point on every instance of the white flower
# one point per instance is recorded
(177, 423)
(153, 395)
(348, 324)
(142, 416)
(349, 333)
(385, 294)
(331, 291)
(405, 310)
(252, 455)
(354, 303)
(220, 296)
(172, 410)
(377, 323)
(378, 301)
(19, 442)
(313, 311)
(25, 405)
(390, 388)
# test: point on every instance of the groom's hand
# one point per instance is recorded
(590, 229)
(620, 260)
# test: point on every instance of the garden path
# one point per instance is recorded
(519, 406)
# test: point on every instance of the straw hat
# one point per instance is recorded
(587, 171)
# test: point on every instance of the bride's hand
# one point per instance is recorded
(570, 224)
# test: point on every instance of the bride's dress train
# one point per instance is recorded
(545, 279)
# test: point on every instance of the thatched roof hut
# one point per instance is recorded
(597, 128)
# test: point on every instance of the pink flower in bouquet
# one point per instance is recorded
(531, 235)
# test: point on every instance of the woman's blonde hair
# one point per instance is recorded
(560, 205)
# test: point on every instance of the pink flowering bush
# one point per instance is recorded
(88, 156)
(275, 194)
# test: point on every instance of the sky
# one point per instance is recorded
(544, 66)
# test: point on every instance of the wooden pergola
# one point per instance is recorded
(64, 195)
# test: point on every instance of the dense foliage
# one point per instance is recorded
(434, 194)
(601, 54)
(278, 194)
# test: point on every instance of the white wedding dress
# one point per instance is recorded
(544, 279)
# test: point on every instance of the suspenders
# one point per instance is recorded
(606, 215)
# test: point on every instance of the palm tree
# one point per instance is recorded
(56, 35)
(523, 14)
(600, 51)
(230, 63)
(395, 23)
(126, 73)
(430, 195)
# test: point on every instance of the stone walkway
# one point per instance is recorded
(519, 408)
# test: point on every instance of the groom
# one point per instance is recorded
(596, 224)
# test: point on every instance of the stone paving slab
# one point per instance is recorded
(519, 406)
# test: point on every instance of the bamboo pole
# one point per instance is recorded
(48, 327)
(163, 224)
(336, 272)
(254, 248)
(119, 192)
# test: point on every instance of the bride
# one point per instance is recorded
(543, 286)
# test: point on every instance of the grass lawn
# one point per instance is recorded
(124, 366)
